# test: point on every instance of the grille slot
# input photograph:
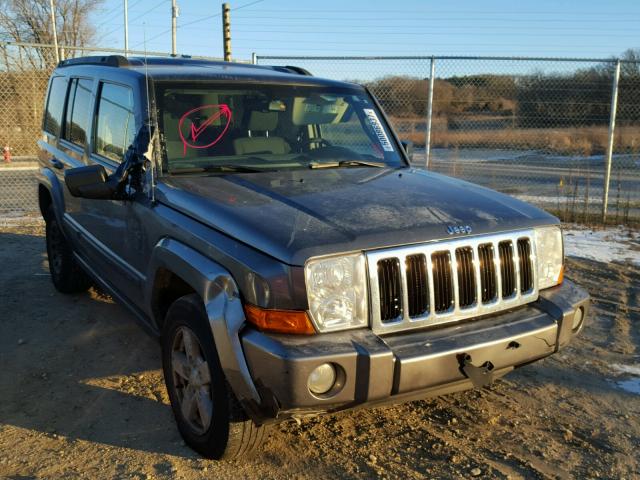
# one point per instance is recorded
(466, 277)
(488, 284)
(425, 285)
(526, 268)
(507, 268)
(442, 281)
(389, 283)
(417, 285)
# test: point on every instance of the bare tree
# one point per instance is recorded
(631, 69)
(30, 21)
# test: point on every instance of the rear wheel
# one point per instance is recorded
(209, 417)
(66, 274)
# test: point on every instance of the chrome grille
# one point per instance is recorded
(466, 277)
(488, 281)
(526, 267)
(441, 282)
(507, 270)
(390, 288)
(417, 285)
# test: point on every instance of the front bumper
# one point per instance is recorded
(405, 366)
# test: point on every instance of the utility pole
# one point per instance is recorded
(174, 27)
(612, 129)
(55, 33)
(126, 29)
(427, 142)
(226, 31)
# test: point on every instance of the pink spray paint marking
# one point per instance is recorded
(221, 110)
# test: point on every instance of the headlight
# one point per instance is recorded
(550, 256)
(337, 292)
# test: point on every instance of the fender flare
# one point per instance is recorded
(49, 180)
(221, 298)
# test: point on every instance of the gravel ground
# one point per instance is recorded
(82, 396)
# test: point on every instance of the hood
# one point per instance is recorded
(298, 214)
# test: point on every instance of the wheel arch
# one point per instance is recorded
(177, 268)
(50, 193)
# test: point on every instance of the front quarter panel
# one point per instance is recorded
(221, 298)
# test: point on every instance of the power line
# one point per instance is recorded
(199, 20)
(118, 12)
(134, 19)
(350, 42)
(204, 19)
(445, 34)
(422, 20)
(572, 13)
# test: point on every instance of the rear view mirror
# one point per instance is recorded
(89, 182)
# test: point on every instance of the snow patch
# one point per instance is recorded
(631, 369)
(630, 385)
(607, 245)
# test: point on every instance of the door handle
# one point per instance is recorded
(56, 163)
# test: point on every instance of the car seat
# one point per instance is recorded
(262, 122)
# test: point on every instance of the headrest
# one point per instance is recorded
(263, 121)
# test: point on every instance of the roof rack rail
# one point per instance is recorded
(299, 70)
(292, 69)
(105, 60)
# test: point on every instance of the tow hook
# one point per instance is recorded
(479, 376)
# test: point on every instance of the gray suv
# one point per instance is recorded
(267, 226)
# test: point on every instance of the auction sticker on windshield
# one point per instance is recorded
(379, 131)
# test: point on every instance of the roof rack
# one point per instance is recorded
(299, 70)
(292, 69)
(105, 60)
(120, 61)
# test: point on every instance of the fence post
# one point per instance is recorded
(427, 142)
(612, 127)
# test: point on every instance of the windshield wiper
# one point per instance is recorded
(347, 163)
(217, 168)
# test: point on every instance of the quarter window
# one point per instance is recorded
(78, 111)
(115, 128)
(55, 105)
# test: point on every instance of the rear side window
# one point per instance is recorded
(78, 111)
(55, 105)
(115, 127)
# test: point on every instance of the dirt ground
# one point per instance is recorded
(82, 396)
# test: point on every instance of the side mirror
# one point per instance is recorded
(93, 182)
(408, 147)
(89, 182)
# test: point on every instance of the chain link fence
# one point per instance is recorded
(535, 128)
(539, 129)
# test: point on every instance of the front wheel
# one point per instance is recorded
(208, 415)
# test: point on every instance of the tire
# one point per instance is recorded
(66, 274)
(229, 433)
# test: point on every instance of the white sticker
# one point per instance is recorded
(378, 130)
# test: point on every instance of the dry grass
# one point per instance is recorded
(583, 141)
(577, 140)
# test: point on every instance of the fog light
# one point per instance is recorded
(577, 319)
(322, 379)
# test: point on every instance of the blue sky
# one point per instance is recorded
(585, 28)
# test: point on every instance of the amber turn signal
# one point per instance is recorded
(279, 321)
(561, 276)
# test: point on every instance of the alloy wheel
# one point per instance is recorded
(192, 380)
